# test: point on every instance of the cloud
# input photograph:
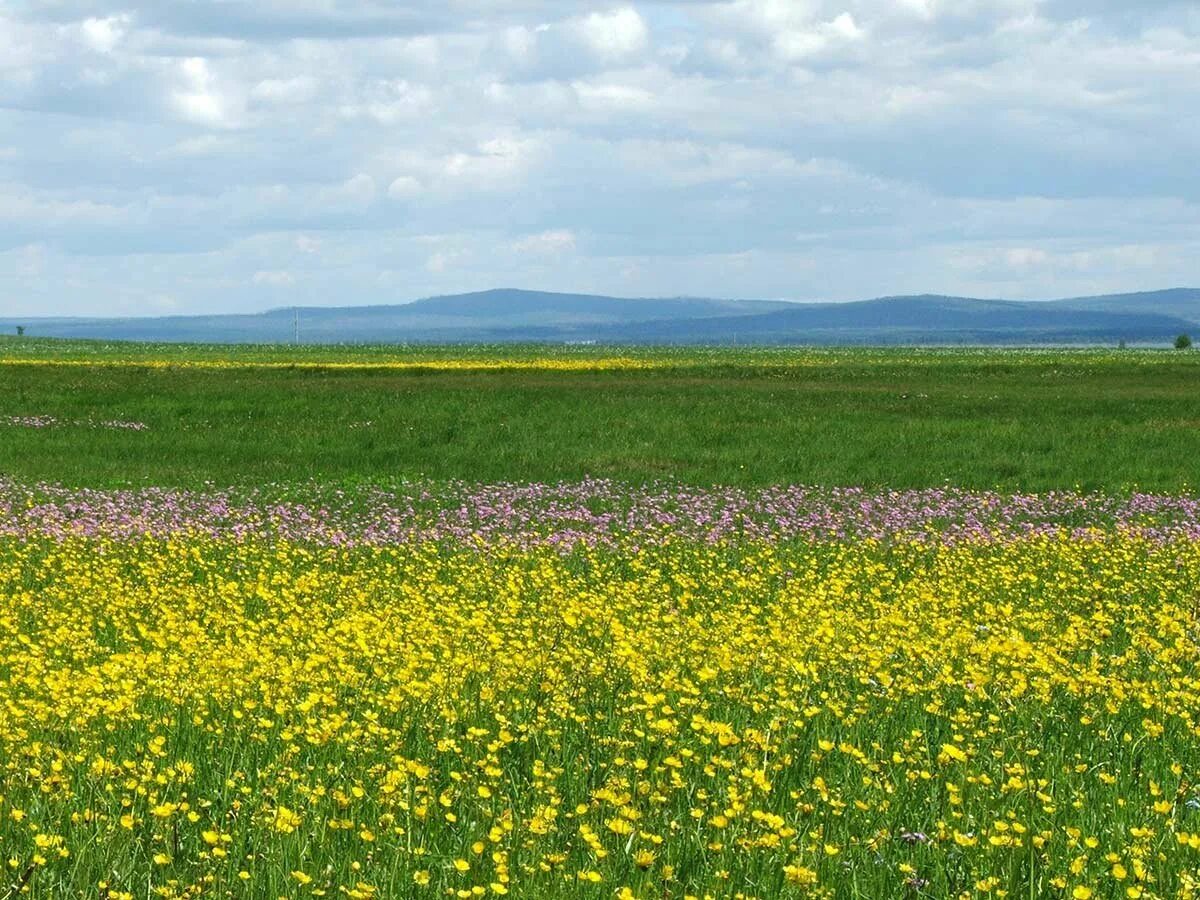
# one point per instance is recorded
(613, 98)
(274, 278)
(51, 210)
(546, 243)
(404, 186)
(379, 151)
(275, 20)
(802, 43)
(358, 190)
(389, 101)
(614, 35)
(443, 260)
(307, 244)
(793, 30)
(285, 91)
(1017, 263)
(493, 164)
(103, 35)
(198, 98)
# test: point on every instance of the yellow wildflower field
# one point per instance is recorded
(231, 716)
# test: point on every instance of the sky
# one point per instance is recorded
(188, 156)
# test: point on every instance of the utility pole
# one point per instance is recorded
(296, 324)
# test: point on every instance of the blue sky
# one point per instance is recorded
(164, 156)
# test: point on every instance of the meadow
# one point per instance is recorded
(856, 624)
(1020, 420)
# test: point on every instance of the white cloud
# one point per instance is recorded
(614, 35)
(495, 163)
(199, 99)
(201, 145)
(20, 204)
(276, 279)
(547, 243)
(520, 42)
(693, 162)
(796, 30)
(1129, 255)
(356, 191)
(829, 148)
(285, 91)
(388, 101)
(403, 187)
(103, 35)
(923, 9)
(443, 260)
(610, 97)
(21, 48)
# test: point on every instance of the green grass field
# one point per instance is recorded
(289, 683)
(1018, 420)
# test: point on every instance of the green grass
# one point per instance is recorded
(236, 715)
(1025, 420)
(370, 715)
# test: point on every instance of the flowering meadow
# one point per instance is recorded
(587, 690)
(111, 414)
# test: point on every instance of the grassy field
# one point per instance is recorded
(355, 622)
(252, 719)
(1027, 420)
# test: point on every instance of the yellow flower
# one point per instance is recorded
(952, 752)
(748, 697)
(797, 874)
(286, 821)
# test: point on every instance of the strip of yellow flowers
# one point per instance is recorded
(568, 359)
(202, 717)
(517, 364)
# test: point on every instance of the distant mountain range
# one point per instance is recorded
(533, 316)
